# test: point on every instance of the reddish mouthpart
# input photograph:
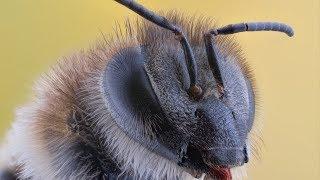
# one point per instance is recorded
(222, 173)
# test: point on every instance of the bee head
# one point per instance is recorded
(148, 91)
(191, 103)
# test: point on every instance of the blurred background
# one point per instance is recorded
(35, 33)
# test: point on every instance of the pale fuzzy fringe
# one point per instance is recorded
(27, 148)
(31, 154)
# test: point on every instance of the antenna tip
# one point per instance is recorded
(291, 34)
(290, 31)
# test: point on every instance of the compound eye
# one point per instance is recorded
(129, 92)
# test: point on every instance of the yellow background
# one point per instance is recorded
(34, 33)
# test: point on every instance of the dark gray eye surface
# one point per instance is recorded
(129, 88)
(132, 101)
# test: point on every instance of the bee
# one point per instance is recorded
(171, 98)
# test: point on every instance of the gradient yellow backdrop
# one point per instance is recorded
(35, 33)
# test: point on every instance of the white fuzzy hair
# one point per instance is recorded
(25, 148)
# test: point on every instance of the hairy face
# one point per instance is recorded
(147, 89)
(215, 127)
(173, 103)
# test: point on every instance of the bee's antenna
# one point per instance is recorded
(214, 61)
(254, 26)
(194, 90)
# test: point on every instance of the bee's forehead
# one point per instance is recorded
(167, 67)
